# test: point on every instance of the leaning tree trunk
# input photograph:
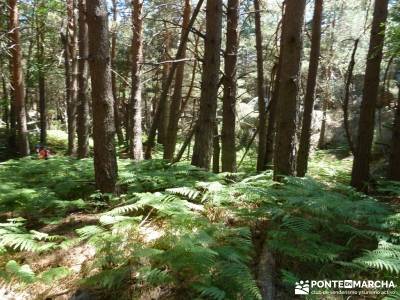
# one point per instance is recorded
(105, 162)
(346, 99)
(360, 172)
(176, 99)
(229, 81)
(262, 119)
(203, 145)
(72, 40)
(83, 102)
(17, 81)
(394, 162)
(304, 148)
(164, 94)
(284, 157)
(135, 106)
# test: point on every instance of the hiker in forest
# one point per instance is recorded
(43, 153)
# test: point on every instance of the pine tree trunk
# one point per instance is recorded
(105, 162)
(164, 106)
(176, 99)
(17, 81)
(229, 81)
(41, 81)
(203, 147)
(216, 150)
(360, 172)
(270, 139)
(72, 40)
(321, 140)
(83, 101)
(117, 117)
(135, 107)
(394, 162)
(346, 99)
(304, 148)
(262, 119)
(12, 134)
(6, 111)
(164, 93)
(284, 157)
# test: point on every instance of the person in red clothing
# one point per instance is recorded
(43, 153)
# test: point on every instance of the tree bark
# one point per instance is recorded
(304, 148)
(6, 111)
(360, 172)
(164, 93)
(275, 76)
(105, 162)
(83, 101)
(270, 139)
(176, 99)
(288, 90)
(41, 80)
(347, 97)
(135, 107)
(203, 145)
(216, 150)
(321, 141)
(72, 39)
(117, 118)
(229, 82)
(394, 162)
(17, 81)
(164, 106)
(262, 119)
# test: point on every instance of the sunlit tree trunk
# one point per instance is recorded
(83, 101)
(360, 172)
(203, 147)
(6, 110)
(72, 40)
(105, 162)
(284, 157)
(164, 106)
(17, 81)
(304, 148)
(216, 150)
(135, 107)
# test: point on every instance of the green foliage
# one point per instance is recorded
(39, 188)
(158, 175)
(13, 235)
(23, 273)
(189, 232)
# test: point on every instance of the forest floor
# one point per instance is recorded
(177, 232)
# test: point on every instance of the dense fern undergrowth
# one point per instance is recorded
(177, 232)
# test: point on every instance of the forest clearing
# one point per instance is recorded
(199, 149)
